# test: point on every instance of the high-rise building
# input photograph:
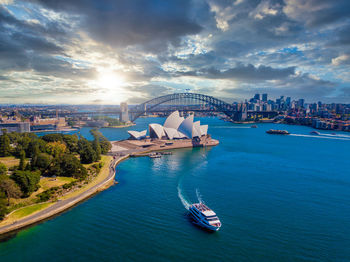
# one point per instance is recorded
(301, 102)
(257, 96)
(124, 112)
(288, 99)
(264, 97)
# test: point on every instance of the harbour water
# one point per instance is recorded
(279, 198)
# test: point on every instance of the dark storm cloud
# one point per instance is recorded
(152, 24)
(244, 72)
(297, 86)
(342, 37)
(24, 46)
(316, 13)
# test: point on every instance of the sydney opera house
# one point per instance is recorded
(175, 127)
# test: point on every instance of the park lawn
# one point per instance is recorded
(99, 178)
(9, 161)
(48, 182)
(25, 211)
(45, 183)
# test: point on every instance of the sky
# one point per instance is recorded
(108, 51)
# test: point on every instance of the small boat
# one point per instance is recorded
(167, 153)
(315, 133)
(154, 155)
(277, 132)
(204, 217)
(254, 126)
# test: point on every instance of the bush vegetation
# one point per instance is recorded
(50, 155)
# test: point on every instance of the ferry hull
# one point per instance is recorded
(202, 224)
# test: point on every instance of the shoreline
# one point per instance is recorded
(65, 204)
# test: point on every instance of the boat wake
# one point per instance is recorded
(199, 196)
(183, 199)
(322, 137)
(334, 135)
(236, 127)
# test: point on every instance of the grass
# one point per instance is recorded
(9, 161)
(45, 183)
(23, 212)
(48, 182)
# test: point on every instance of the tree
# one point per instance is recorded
(87, 153)
(22, 163)
(27, 180)
(71, 142)
(9, 187)
(52, 138)
(103, 141)
(105, 146)
(43, 162)
(96, 146)
(56, 149)
(3, 209)
(3, 169)
(67, 165)
(4, 144)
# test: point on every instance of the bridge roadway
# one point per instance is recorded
(117, 112)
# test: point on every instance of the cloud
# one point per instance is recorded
(316, 12)
(152, 24)
(244, 73)
(341, 60)
(57, 49)
(146, 92)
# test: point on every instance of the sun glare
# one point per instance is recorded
(111, 87)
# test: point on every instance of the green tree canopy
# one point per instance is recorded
(27, 180)
(5, 149)
(10, 188)
(52, 137)
(87, 153)
(42, 162)
(71, 142)
(3, 169)
(22, 157)
(67, 165)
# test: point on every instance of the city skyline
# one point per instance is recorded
(106, 52)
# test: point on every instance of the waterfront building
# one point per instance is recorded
(39, 124)
(175, 127)
(20, 127)
(137, 134)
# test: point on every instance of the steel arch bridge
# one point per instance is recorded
(216, 104)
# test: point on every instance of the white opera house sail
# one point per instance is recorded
(175, 127)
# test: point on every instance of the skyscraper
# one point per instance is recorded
(257, 96)
(264, 97)
(301, 102)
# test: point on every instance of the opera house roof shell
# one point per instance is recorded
(175, 127)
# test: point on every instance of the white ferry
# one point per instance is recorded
(205, 217)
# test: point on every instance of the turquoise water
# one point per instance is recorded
(280, 198)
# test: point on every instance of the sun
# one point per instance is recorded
(110, 86)
(110, 81)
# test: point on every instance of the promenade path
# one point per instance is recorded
(62, 205)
